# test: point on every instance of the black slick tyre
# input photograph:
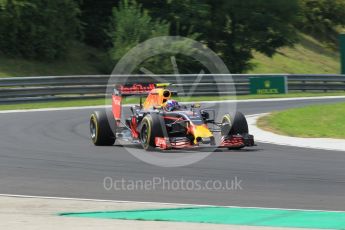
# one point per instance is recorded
(151, 127)
(100, 128)
(235, 124)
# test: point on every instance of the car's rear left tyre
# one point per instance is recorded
(100, 128)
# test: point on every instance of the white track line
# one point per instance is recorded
(281, 99)
(158, 203)
(205, 102)
(52, 109)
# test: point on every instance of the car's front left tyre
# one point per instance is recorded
(151, 127)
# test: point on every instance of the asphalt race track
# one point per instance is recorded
(49, 154)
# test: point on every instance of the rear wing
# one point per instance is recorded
(133, 90)
(130, 90)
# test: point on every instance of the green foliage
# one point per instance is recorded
(38, 29)
(232, 28)
(236, 28)
(2, 4)
(95, 17)
(321, 18)
(132, 25)
(184, 15)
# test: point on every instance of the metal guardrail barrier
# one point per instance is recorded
(28, 89)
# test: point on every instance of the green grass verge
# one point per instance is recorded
(94, 102)
(306, 57)
(318, 121)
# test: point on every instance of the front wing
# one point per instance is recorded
(234, 141)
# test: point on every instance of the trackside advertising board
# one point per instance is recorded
(268, 85)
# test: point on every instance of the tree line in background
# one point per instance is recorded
(38, 29)
(44, 29)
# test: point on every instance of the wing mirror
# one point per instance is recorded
(196, 106)
(208, 115)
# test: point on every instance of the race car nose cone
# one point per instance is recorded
(200, 133)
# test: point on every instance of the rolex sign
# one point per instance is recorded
(268, 85)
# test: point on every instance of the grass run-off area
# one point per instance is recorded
(317, 121)
(95, 102)
(308, 56)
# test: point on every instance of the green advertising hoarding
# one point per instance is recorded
(268, 85)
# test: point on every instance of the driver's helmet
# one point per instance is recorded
(171, 105)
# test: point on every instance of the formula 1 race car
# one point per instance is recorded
(160, 122)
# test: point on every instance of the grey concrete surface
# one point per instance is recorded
(36, 213)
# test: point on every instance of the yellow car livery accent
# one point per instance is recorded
(200, 131)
